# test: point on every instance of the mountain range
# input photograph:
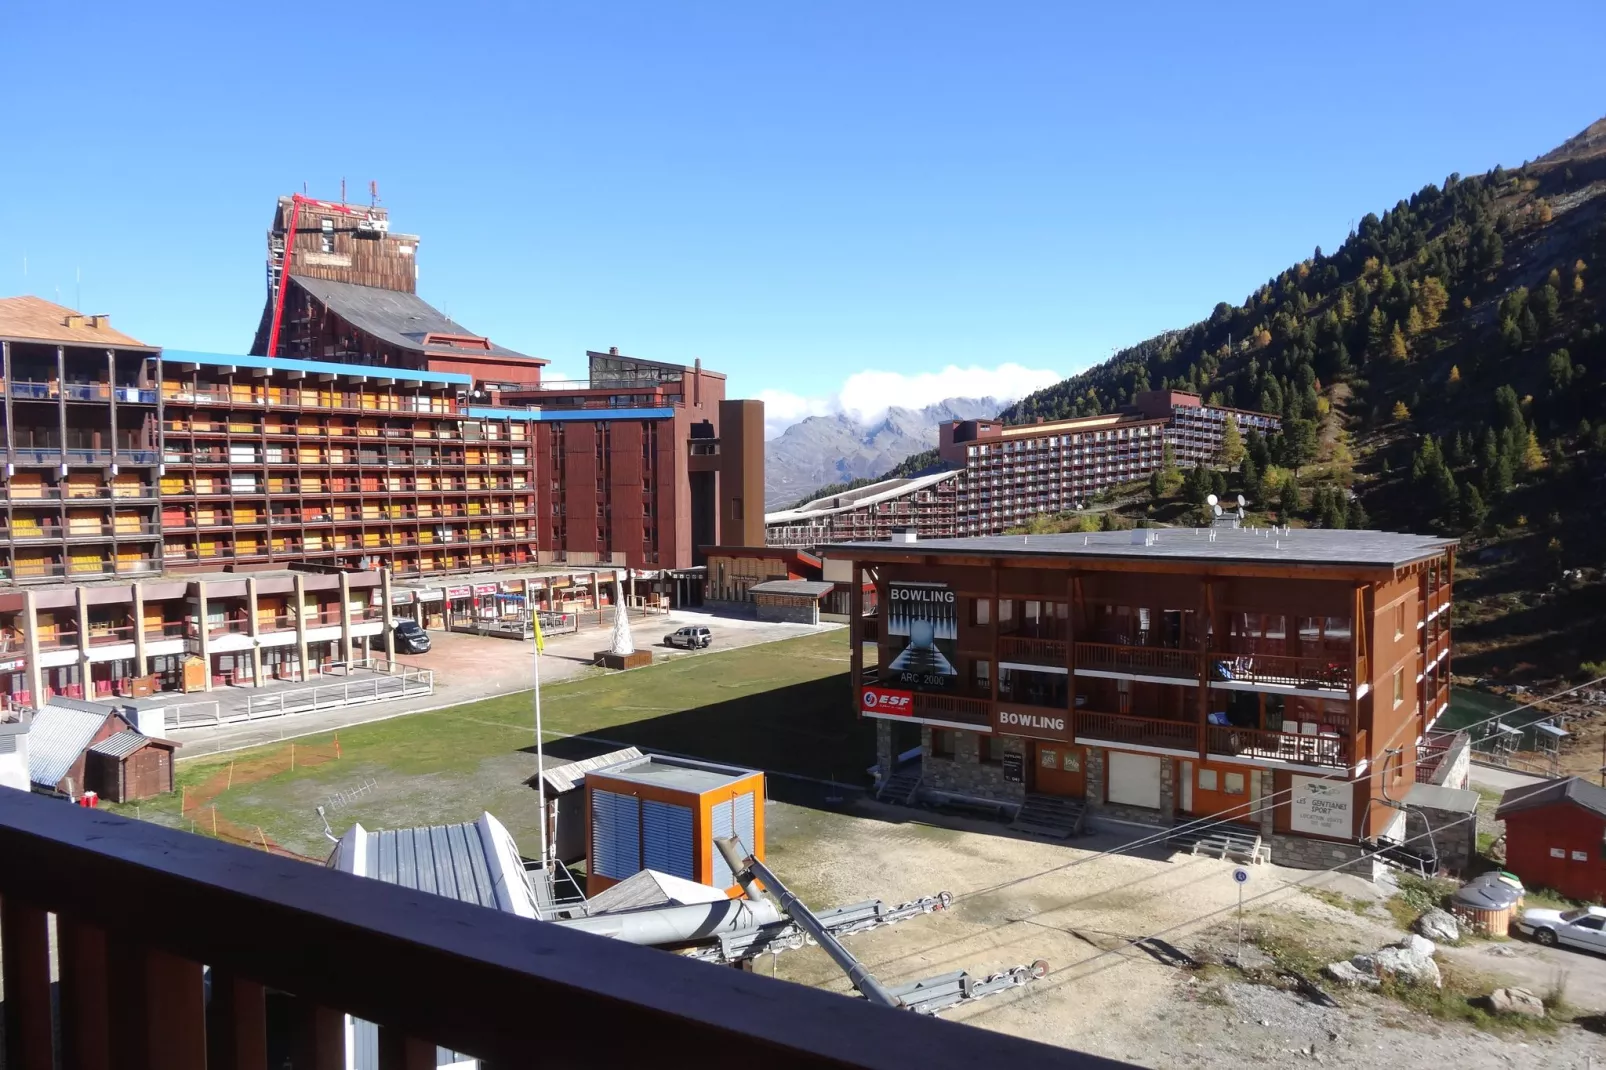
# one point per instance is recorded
(841, 448)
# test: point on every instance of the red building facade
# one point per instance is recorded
(1556, 837)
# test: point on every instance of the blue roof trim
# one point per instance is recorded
(326, 367)
(497, 412)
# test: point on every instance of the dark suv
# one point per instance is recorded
(410, 638)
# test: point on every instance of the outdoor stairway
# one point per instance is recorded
(1223, 840)
(902, 786)
(1053, 816)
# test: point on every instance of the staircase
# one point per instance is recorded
(1221, 840)
(902, 786)
(1053, 816)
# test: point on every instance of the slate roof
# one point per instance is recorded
(1573, 790)
(1302, 546)
(56, 738)
(402, 319)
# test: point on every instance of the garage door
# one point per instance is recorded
(1134, 779)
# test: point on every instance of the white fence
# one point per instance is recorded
(391, 682)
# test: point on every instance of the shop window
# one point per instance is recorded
(942, 743)
(1207, 780)
(981, 611)
(992, 749)
(1234, 783)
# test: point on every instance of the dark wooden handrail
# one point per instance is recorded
(476, 980)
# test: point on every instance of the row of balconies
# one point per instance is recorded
(52, 390)
(517, 432)
(77, 567)
(272, 489)
(58, 455)
(51, 530)
(22, 494)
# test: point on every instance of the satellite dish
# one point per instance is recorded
(1241, 502)
(1210, 499)
(1217, 508)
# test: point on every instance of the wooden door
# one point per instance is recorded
(1058, 769)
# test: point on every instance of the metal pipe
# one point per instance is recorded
(746, 868)
(678, 925)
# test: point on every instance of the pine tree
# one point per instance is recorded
(1232, 442)
(1107, 522)
(1401, 413)
(1446, 496)
(1156, 485)
(1288, 498)
(1377, 333)
(1357, 517)
(1474, 513)
(1460, 449)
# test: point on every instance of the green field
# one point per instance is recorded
(784, 707)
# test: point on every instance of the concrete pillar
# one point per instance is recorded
(1095, 777)
(203, 630)
(390, 633)
(596, 599)
(1268, 787)
(301, 626)
(253, 629)
(81, 600)
(142, 665)
(1168, 791)
(884, 758)
(30, 650)
(345, 618)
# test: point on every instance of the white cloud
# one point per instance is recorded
(866, 395)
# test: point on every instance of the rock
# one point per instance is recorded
(1516, 1001)
(1440, 925)
(1349, 975)
(1403, 964)
(1249, 959)
(1503, 950)
(1417, 945)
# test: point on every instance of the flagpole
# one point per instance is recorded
(540, 775)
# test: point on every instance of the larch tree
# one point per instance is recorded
(1232, 442)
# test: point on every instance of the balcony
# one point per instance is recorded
(419, 965)
(1325, 749)
(954, 709)
(1314, 674)
(1031, 651)
(1137, 731)
(106, 635)
(1137, 660)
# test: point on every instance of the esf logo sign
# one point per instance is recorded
(886, 702)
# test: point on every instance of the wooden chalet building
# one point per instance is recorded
(1275, 681)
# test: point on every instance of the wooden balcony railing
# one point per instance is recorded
(1322, 750)
(954, 708)
(1146, 660)
(1306, 673)
(1032, 651)
(426, 969)
(1142, 731)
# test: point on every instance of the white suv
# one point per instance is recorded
(692, 637)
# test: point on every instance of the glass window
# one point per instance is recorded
(1399, 686)
(1399, 620)
(1207, 780)
(981, 611)
(983, 675)
(1235, 783)
(992, 749)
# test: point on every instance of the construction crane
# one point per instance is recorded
(369, 224)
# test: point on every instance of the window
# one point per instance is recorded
(326, 240)
(981, 611)
(992, 749)
(984, 676)
(942, 743)
(1399, 621)
(1207, 780)
(1399, 686)
(1235, 783)
(736, 508)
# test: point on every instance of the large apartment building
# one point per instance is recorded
(1013, 472)
(1276, 681)
(924, 505)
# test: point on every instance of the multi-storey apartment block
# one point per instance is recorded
(1276, 682)
(1016, 472)
(924, 505)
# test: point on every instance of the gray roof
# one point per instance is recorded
(676, 773)
(848, 500)
(1439, 797)
(649, 888)
(400, 318)
(1307, 546)
(56, 739)
(1573, 790)
(570, 775)
(124, 743)
(808, 588)
(466, 862)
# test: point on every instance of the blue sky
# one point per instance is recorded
(795, 194)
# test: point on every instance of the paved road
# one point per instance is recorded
(473, 667)
(1493, 779)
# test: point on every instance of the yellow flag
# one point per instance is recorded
(540, 640)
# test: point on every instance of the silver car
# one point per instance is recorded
(1584, 927)
(692, 637)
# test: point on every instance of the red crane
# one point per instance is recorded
(296, 201)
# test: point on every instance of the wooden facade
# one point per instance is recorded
(1237, 679)
(143, 773)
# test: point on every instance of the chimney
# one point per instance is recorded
(73, 321)
(1041, 420)
(613, 351)
(697, 382)
(100, 321)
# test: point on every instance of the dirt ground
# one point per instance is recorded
(1154, 1003)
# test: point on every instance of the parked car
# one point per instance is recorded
(410, 638)
(692, 637)
(1584, 927)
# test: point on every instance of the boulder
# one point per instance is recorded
(1404, 964)
(1439, 925)
(1349, 975)
(1516, 1001)
(1249, 959)
(1417, 945)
